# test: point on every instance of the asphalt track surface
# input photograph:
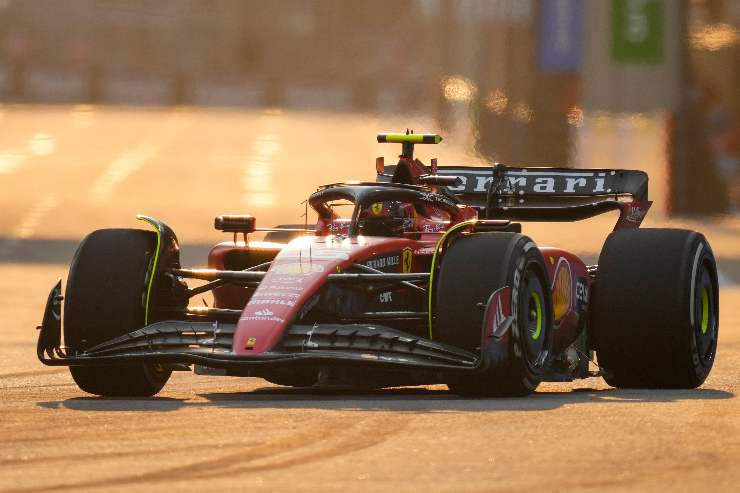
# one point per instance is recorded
(67, 170)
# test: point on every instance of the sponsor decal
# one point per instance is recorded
(498, 312)
(318, 254)
(535, 181)
(377, 208)
(386, 297)
(265, 314)
(581, 294)
(271, 302)
(294, 289)
(274, 294)
(635, 213)
(424, 251)
(408, 224)
(433, 227)
(297, 268)
(581, 291)
(408, 260)
(338, 228)
(435, 197)
(263, 319)
(296, 281)
(383, 262)
(562, 289)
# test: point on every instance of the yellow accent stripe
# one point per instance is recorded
(413, 138)
(434, 261)
(153, 223)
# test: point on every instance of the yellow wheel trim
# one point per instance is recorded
(704, 310)
(538, 307)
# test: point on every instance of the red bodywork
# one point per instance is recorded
(299, 271)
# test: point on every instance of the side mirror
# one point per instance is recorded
(235, 223)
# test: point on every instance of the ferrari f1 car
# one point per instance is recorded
(422, 277)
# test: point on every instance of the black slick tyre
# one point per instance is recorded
(655, 309)
(104, 299)
(472, 268)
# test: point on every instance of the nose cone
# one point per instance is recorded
(295, 276)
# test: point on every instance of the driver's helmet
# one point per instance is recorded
(386, 218)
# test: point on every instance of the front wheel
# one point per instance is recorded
(473, 267)
(104, 299)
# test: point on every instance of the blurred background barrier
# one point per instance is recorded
(627, 83)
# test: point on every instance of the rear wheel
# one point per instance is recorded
(655, 309)
(104, 299)
(473, 267)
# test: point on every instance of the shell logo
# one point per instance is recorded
(562, 289)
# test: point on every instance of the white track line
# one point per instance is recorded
(257, 171)
(39, 144)
(132, 160)
(11, 160)
(259, 166)
(32, 219)
(29, 223)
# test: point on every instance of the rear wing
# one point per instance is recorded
(545, 194)
(553, 183)
(523, 193)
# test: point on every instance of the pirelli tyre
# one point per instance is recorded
(472, 268)
(104, 299)
(655, 309)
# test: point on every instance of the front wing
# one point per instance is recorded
(209, 343)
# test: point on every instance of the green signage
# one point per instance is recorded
(637, 31)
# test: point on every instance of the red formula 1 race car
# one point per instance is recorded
(423, 277)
